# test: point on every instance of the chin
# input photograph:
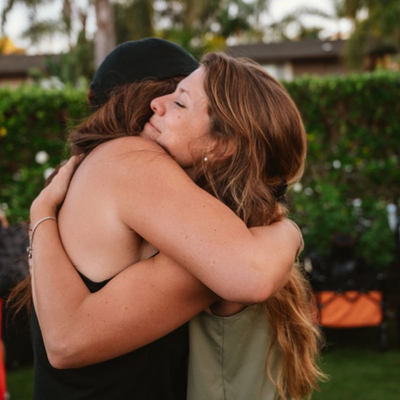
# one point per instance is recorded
(148, 133)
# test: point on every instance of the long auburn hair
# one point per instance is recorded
(258, 126)
(124, 114)
(261, 143)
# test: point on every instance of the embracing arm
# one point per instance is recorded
(141, 304)
(204, 235)
(147, 300)
(160, 202)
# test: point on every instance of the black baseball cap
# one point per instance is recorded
(137, 60)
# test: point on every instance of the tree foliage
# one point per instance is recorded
(70, 24)
(133, 20)
(376, 29)
(39, 28)
(375, 32)
(201, 25)
(198, 25)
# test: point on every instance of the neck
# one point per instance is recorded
(191, 173)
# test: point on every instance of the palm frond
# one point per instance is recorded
(311, 11)
(8, 6)
(39, 30)
(30, 4)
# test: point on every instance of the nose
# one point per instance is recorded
(158, 105)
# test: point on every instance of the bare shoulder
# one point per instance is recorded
(126, 145)
(129, 163)
(128, 154)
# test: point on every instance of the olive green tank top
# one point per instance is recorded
(228, 357)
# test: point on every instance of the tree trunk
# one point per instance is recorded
(105, 35)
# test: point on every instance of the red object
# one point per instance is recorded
(3, 385)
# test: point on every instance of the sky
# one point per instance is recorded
(18, 20)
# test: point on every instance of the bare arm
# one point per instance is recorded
(204, 235)
(141, 304)
(155, 197)
(72, 319)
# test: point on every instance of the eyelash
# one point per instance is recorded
(179, 104)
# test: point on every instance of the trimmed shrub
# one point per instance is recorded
(32, 121)
(353, 128)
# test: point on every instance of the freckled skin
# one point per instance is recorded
(180, 123)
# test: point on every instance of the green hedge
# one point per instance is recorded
(33, 120)
(353, 128)
(353, 125)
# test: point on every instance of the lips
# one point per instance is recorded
(153, 126)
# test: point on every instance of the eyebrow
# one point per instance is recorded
(183, 90)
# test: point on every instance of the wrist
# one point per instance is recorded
(34, 227)
(41, 209)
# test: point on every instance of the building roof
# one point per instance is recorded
(20, 64)
(286, 51)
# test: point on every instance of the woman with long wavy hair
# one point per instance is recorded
(241, 150)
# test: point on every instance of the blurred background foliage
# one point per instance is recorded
(352, 170)
(201, 26)
(33, 120)
(197, 25)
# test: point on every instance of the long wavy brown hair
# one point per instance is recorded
(261, 143)
(260, 132)
(125, 114)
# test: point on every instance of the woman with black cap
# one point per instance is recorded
(217, 245)
(137, 61)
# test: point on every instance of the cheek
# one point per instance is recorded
(178, 130)
(148, 133)
(175, 142)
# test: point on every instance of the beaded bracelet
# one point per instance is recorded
(29, 249)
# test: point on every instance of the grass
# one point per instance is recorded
(360, 374)
(20, 383)
(357, 370)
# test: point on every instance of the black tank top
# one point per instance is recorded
(157, 371)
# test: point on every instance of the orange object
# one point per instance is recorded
(349, 309)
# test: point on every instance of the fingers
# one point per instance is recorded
(300, 234)
(53, 195)
(62, 180)
(71, 164)
(74, 160)
(66, 172)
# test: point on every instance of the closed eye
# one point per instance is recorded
(179, 104)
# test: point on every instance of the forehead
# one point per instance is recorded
(193, 86)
